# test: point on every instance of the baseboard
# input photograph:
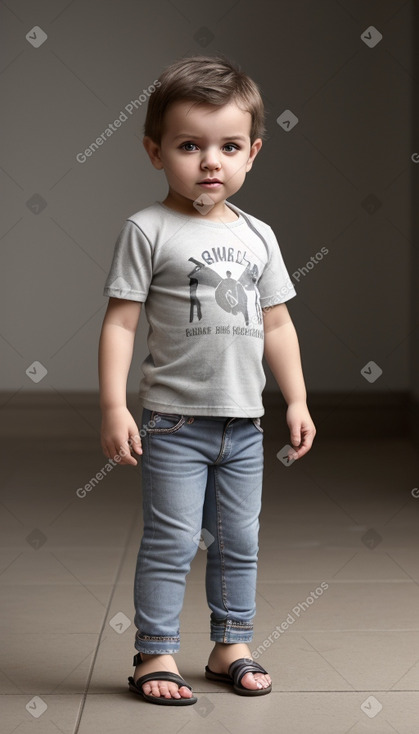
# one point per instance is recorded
(336, 415)
(349, 415)
(414, 421)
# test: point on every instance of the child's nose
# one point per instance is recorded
(210, 161)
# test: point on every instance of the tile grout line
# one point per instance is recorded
(92, 666)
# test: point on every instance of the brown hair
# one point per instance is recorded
(204, 80)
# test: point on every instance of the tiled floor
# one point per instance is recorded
(344, 515)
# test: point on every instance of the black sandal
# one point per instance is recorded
(136, 686)
(236, 671)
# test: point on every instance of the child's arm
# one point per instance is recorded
(282, 354)
(115, 354)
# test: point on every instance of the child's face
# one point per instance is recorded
(200, 143)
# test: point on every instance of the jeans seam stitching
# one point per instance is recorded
(166, 431)
(223, 440)
(220, 541)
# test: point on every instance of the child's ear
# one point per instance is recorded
(153, 151)
(254, 150)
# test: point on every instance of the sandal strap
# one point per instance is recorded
(158, 675)
(240, 667)
(162, 675)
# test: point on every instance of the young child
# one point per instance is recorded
(214, 286)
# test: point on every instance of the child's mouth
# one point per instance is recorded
(210, 184)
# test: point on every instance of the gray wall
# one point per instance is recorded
(340, 179)
(414, 279)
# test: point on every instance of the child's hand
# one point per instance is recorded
(302, 429)
(119, 434)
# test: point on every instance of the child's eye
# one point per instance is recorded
(231, 147)
(188, 146)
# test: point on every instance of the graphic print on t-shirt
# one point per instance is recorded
(231, 294)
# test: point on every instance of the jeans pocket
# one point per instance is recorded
(165, 423)
(256, 423)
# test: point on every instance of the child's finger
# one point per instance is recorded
(129, 459)
(119, 452)
(301, 443)
(295, 437)
(125, 453)
(305, 446)
(136, 444)
(298, 453)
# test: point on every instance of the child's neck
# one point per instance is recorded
(219, 213)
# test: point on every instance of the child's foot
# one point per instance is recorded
(223, 654)
(157, 688)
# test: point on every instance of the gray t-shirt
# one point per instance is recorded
(203, 284)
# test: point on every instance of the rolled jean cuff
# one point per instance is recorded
(230, 630)
(156, 644)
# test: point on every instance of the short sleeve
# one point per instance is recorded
(131, 268)
(275, 285)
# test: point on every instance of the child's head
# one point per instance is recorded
(203, 128)
(204, 80)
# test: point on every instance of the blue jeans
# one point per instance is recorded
(202, 487)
